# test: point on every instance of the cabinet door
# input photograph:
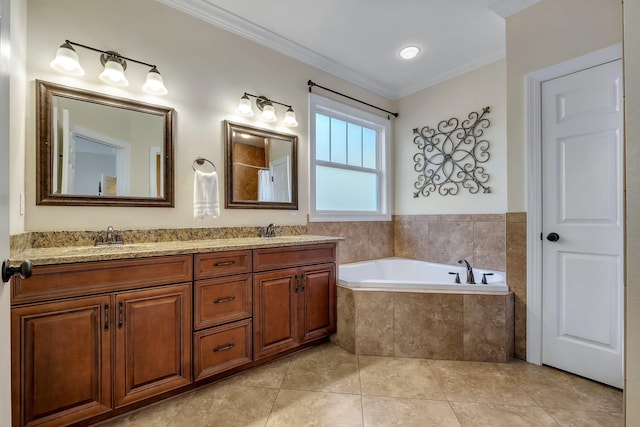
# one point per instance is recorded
(153, 342)
(275, 318)
(61, 361)
(318, 303)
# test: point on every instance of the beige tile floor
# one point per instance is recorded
(328, 386)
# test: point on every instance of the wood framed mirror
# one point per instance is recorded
(261, 168)
(98, 150)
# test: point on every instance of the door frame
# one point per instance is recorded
(533, 129)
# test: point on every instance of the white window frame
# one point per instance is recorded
(322, 105)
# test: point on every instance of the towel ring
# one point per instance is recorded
(201, 161)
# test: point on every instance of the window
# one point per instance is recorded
(349, 163)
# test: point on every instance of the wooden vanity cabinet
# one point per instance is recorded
(293, 305)
(223, 306)
(82, 356)
(91, 338)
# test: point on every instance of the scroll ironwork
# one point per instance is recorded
(450, 156)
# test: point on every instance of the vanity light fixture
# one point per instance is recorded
(265, 105)
(67, 62)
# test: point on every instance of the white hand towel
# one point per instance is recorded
(265, 186)
(206, 201)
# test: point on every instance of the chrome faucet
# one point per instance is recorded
(113, 237)
(268, 231)
(470, 279)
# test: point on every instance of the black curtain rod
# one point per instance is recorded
(312, 84)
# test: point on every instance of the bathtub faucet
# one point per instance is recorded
(470, 279)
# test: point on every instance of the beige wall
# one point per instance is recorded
(542, 35)
(457, 98)
(18, 101)
(632, 112)
(206, 70)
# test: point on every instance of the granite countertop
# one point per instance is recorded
(70, 254)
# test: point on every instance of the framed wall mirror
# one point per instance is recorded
(95, 149)
(261, 169)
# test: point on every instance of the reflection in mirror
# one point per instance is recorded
(99, 150)
(261, 168)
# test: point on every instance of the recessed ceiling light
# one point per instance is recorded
(409, 52)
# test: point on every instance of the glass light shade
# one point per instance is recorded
(268, 114)
(154, 84)
(290, 118)
(66, 61)
(113, 74)
(244, 107)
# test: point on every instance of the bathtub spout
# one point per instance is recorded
(470, 279)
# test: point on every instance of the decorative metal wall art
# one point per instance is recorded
(450, 156)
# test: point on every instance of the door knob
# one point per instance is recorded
(553, 237)
(24, 270)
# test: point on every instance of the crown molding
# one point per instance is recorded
(506, 8)
(228, 21)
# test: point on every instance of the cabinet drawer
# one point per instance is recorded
(292, 256)
(218, 349)
(67, 280)
(222, 300)
(222, 264)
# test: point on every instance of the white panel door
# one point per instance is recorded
(582, 223)
(280, 172)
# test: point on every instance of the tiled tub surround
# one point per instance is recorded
(433, 325)
(446, 238)
(492, 241)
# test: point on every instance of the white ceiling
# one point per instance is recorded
(359, 40)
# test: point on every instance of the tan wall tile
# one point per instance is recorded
(516, 217)
(516, 245)
(488, 328)
(345, 335)
(428, 326)
(489, 245)
(381, 240)
(450, 241)
(374, 323)
(411, 239)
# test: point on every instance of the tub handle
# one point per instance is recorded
(484, 277)
(457, 276)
